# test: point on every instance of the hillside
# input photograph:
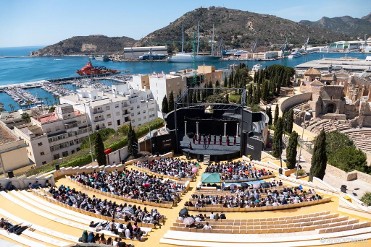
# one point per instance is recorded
(92, 44)
(354, 27)
(236, 29)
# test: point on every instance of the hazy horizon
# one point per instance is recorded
(44, 22)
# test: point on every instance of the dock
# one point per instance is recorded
(345, 63)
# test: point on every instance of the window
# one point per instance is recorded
(65, 154)
(107, 107)
(56, 156)
(109, 123)
(42, 153)
(44, 162)
(118, 122)
(108, 115)
(40, 144)
(117, 106)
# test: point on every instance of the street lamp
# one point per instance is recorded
(304, 125)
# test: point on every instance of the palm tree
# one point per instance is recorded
(11, 106)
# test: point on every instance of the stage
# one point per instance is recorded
(195, 149)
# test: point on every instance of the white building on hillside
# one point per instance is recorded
(112, 110)
(54, 135)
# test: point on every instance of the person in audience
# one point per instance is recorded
(207, 226)
(222, 216)
(36, 185)
(96, 238)
(9, 186)
(84, 237)
(102, 239)
(91, 237)
(109, 241)
(93, 224)
(47, 184)
(212, 216)
(216, 217)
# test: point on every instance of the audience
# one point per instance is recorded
(237, 171)
(107, 208)
(170, 166)
(133, 184)
(247, 199)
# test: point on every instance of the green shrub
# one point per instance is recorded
(301, 172)
(366, 198)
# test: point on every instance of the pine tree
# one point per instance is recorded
(171, 101)
(291, 150)
(276, 114)
(165, 105)
(250, 95)
(265, 91)
(225, 82)
(132, 142)
(217, 87)
(277, 139)
(99, 150)
(269, 114)
(319, 158)
(230, 81)
(289, 120)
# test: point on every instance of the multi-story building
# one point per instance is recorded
(13, 153)
(114, 109)
(54, 135)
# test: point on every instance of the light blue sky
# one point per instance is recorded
(44, 22)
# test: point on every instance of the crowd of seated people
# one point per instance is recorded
(170, 166)
(16, 229)
(8, 187)
(200, 220)
(101, 239)
(237, 170)
(133, 184)
(107, 208)
(251, 199)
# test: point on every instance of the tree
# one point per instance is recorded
(99, 150)
(366, 198)
(269, 114)
(225, 82)
(277, 139)
(132, 142)
(26, 117)
(319, 158)
(276, 114)
(217, 87)
(171, 101)
(291, 150)
(289, 121)
(265, 91)
(165, 105)
(250, 95)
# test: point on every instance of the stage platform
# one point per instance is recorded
(216, 151)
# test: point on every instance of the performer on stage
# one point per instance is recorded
(227, 140)
(199, 138)
(190, 146)
(220, 140)
(209, 139)
(214, 139)
(194, 139)
(235, 140)
(205, 139)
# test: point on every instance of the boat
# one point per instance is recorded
(151, 56)
(195, 56)
(257, 67)
(89, 69)
(294, 54)
(103, 58)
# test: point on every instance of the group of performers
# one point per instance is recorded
(206, 139)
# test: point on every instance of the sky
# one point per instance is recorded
(45, 22)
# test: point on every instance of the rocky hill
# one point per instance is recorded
(236, 29)
(92, 44)
(353, 27)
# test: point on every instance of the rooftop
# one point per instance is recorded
(6, 135)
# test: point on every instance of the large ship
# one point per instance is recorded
(89, 69)
(195, 56)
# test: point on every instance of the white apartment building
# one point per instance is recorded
(114, 109)
(54, 135)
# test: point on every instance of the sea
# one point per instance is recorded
(16, 66)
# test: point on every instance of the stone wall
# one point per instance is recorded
(348, 176)
(295, 100)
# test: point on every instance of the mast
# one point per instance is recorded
(182, 38)
(212, 43)
(198, 37)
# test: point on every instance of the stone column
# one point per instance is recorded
(197, 129)
(185, 127)
(237, 129)
(225, 129)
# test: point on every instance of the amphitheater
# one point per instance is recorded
(334, 219)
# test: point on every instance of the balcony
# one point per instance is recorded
(98, 119)
(96, 111)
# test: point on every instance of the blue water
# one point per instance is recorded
(25, 69)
